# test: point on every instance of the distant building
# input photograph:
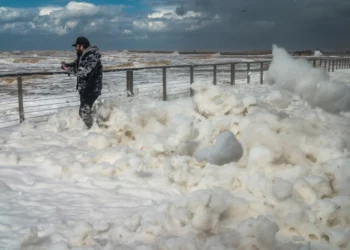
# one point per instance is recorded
(303, 53)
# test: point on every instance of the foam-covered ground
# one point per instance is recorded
(134, 182)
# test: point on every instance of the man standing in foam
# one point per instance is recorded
(88, 69)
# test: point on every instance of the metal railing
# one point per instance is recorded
(45, 106)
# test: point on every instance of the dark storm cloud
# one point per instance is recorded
(257, 24)
(180, 11)
(186, 25)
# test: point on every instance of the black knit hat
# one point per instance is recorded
(82, 41)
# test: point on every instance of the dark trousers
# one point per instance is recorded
(85, 109)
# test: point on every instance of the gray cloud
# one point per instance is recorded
(11, 15)
(188, 24)
(180, 11)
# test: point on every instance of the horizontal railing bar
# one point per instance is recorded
(53, 109)
(33, 74)
(50, 104)
(53, 98)
(8, 103)
(8, 115)
(15, 120)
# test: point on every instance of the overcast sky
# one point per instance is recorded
(221, 25)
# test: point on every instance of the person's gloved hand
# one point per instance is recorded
(64, 66)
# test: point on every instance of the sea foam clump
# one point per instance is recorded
(311, 84)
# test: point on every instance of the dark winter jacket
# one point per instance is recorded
(88, 69)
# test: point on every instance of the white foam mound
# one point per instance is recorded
(207, 219)
(318, 53)
(276, 98)
(175, 53)
(226, 149)
(311, 84)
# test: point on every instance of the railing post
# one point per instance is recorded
(164, 85)
(214, 74)
(314, 63)
(130, 83)
(127, 82)
(325, 64)
(329, 65)
(20, 99)
(233, 73)
(261, 72)
(321, 63)
(333, 65)
(248, 72)
(191, 79)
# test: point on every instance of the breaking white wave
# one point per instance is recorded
(312, 84)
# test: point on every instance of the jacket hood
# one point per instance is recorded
(92, 49)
